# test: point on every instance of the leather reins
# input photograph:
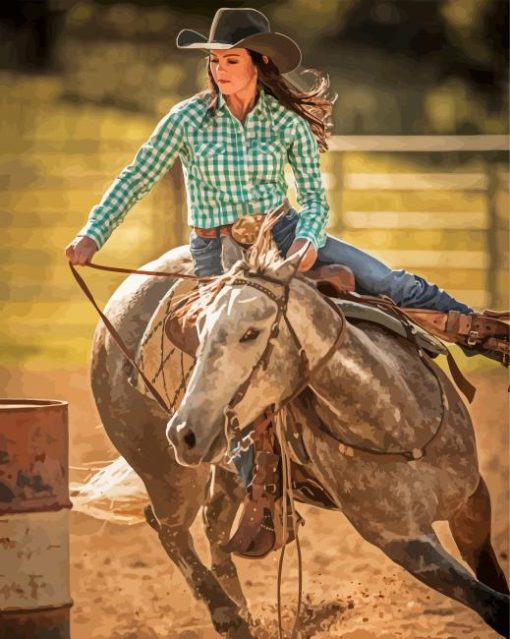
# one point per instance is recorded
(113, 331)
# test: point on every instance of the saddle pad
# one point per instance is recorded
(166, 367)
(357, 311)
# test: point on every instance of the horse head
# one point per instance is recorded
(253, 337)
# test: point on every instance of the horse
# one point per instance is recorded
(396, 449)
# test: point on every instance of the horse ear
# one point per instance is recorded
(286, 269)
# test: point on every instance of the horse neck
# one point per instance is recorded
(361, 391)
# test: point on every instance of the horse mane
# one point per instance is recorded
(262, 257)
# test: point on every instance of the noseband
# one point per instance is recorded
(281, 301)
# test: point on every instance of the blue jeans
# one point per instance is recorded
(373, 277)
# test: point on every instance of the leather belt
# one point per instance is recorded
(213, 232)
(244, 230)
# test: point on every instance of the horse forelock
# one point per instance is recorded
(202, 298)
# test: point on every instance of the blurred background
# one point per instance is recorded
(417, 174)
(83, 83)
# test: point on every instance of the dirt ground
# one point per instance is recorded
(125, 587)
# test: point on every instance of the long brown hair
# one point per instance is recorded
(315, 106)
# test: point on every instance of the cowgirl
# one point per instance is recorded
(234, 141)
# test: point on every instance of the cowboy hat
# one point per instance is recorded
(246, 28)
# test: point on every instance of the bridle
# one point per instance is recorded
(238, 440)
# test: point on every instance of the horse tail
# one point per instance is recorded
(112, 493)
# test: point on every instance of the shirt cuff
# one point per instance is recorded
(90, 231)
(308, 235)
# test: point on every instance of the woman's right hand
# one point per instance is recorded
(81, 250)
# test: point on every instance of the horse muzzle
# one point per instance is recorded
(190, 446)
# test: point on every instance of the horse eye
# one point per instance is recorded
(251, 334)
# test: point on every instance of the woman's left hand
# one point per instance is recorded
(309, 258)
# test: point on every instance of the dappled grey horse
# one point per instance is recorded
(374, 394)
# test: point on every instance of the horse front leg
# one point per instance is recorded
(425, 558)
(176, 498)
(222, 503)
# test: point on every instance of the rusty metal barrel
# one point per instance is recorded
(35, 595)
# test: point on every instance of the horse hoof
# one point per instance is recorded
(241, 631)
(230, 624)
(500, 619)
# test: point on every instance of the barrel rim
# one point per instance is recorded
(55, 507)
(49, 609)
(15, 404)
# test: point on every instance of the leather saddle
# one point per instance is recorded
(332, 279)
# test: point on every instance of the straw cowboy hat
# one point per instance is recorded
(246, 28)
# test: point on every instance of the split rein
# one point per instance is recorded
(113, 331)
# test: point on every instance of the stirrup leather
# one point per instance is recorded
(261, 527)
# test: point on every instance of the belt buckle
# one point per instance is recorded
(246, 229)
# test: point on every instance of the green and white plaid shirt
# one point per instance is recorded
(230, 169)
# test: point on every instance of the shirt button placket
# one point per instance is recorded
(250, 125)
(242, 174)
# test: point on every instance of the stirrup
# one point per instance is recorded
(488, 335)
(261, 528)
(485, 331)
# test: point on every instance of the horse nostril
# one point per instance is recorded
(189, 439)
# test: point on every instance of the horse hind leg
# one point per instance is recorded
(220, 509)
(175, 501)
(425, 558)
(471, 529)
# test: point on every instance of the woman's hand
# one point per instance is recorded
(310, 256)
(81, 250)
